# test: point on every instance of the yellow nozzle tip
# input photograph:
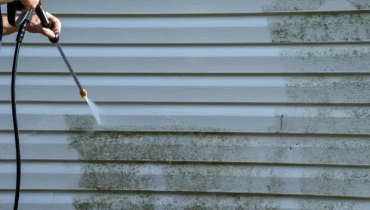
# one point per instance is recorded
(83, 93)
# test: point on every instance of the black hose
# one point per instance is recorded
(15, 124)
(19, 39)
(21, 32)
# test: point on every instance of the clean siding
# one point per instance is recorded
(205, 105)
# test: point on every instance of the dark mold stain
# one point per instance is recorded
(281, 122)
(168, 147)
(360, 4)
(326, 119)
(293, 5)
(325, 89)
(172, 177)
(206, 147)
(109, 176)
(325, 205)
(80, 123)
(323, 28)
(115, 202)
(206, 202)
(158, 147)
(93, 144)
(168, 202)
(224, 178)
(330, 182)
(327, 59)
(276, 185)
(309, 5)
(88, 123)
(334, 27)
(320, 28)
(121, 145)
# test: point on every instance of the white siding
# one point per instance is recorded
(205, 104)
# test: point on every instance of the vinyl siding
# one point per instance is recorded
(204, 105)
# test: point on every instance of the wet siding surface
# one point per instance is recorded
(204, 105)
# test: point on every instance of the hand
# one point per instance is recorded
(35, 26)
(29, 4)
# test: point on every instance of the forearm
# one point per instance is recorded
(5, 1)
(7, 28)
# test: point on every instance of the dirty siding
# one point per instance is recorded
(205, 104)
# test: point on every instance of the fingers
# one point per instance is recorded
(56, 23)
(47, 32)
(36, 27)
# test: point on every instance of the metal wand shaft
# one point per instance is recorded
(69, 67)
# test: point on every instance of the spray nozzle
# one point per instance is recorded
(83, 93)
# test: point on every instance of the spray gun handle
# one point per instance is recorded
(45, 21)
(12, 8)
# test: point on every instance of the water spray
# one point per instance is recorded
(83, 92)
(22, 21)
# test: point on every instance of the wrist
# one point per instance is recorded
(5, 1)
(7, 28)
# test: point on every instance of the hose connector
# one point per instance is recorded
(83, 93)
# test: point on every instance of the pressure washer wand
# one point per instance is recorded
(83, 92)
(48, 24)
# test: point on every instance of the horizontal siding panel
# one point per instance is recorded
(33, 201)
(325, 28)
(159, 7)
(68, 201)
(191, 59)
(197, 89)
(222, 148)
(352, 182)
(157, 30)
(181, 117)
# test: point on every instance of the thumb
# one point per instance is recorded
(47, 32)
